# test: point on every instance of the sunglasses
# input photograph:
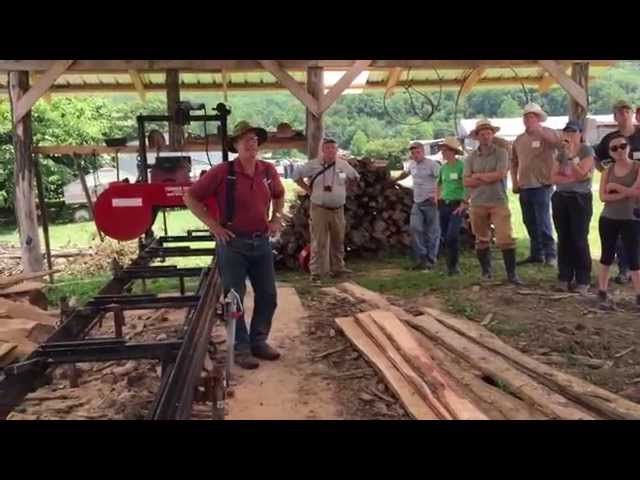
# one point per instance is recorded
(622, 146)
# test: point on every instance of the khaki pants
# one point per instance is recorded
(483, 216)
(327, 230)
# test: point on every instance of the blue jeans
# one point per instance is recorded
(424, 227)
(253, 258)
(536, 215)
(451, 223)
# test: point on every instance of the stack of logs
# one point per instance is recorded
(376, 214)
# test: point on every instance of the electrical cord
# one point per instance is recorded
(206, 138)
(409, 89)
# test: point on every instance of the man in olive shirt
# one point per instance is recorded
(485, 171)
(328, 179)
(623, 116)
(532, 158)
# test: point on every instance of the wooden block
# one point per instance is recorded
(5, 348)
(412, 402)
(23, 287)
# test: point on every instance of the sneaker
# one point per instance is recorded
(418, 266)
(454, 272)
(551, 262)
(583, 290)
(341, 273)
(265, 352)
(245, 360)
(561, 287)
(428, 266)
(622, 278)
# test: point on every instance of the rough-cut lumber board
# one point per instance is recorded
(402, 338)
(580, 391)
(341, 85)
(409, 398)
(373, 298)
(496, 403)
(22, 288)
(489, 363)
(21, 277)
(575, 90)
(16, 328)
(369, 326)
(273, 67)
(23, 349)
(5, 348)
(25, 310)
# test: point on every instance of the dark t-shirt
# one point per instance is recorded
(602, 149)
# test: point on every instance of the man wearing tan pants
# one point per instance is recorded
(328, 180)
(485, 173)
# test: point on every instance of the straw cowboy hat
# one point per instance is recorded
(482, 124)
(243, 127)
(284, 130)
(535, 108)
(453, 144)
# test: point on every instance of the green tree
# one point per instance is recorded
(509, 108)
(359, 143)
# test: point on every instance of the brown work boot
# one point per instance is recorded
(265, 352)
(245, 360)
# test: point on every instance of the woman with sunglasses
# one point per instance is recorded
(572, 209)
(619, 188)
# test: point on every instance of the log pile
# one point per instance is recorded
(445, 367)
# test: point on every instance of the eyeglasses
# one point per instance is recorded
(622, 146)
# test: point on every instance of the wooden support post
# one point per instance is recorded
(580, 75)
(24, 175)
(87, 195)
(176, 132)
(44, 215)
(314, 130)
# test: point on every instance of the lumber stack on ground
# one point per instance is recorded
(597, 399)
(478, 362)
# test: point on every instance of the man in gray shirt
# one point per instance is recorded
(485, 170)
(328, 179)
(424, 223)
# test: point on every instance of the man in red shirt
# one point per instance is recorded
(243, 190)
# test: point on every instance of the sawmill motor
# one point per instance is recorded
(126, 211)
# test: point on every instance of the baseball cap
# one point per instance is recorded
(621, 104)
(572, 126)
(415, 144)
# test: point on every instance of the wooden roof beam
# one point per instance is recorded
(472, 80)
(292, 85)
(136, 79)
(392, 81)
(28, 100)
(341, 85)
(574, 90)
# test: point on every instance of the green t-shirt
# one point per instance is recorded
(450, 179)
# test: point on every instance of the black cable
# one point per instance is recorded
(433, 107)
(524, 89)
(455, 107)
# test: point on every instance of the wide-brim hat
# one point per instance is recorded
(536, 109)
(284, 130)
(483, 124)
(622, 104)
(243, 127)
(453, 144)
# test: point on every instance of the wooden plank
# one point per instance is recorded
(572, 88)
(45, 82)
(23, 349)
(21, 277)
(546, 400)
(138, 83)
(22, 288)
(413, 404)
(5, 348)
(605, 403)
(425, 391)
(24, 310)
(472, 80)
(496, 403)
(372, 298)
(402, 338)
(17, 328)
(25, 207)
(392, 81)
(292, 85)
(341, 85)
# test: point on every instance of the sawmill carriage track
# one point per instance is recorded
(182, 359)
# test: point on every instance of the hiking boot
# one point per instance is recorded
(484, 257)
(605, 302)
(265, 352)
(509, 258)
(245, 360)
(622, 278)
(529, 260)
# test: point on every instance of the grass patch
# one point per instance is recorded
(82, 289)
